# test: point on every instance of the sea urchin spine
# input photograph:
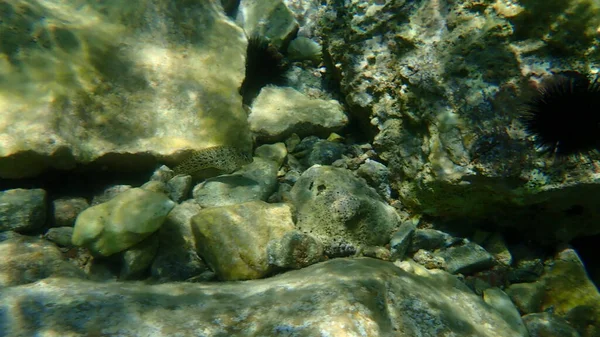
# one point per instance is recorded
(564, 116)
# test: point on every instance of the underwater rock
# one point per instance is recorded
(443, 110)
(254, 181)
(66, 210)
(277, 113)
(500, 301)
(233, 240)
(121, 222)
(295, 250)
(270, 18)
(22, 210)
(546, 324)
(466, 259)
(402, 239)
(176, 259)
(340, 297)
(570, 294)
(179, 187)
(62, 236)
(136, 82)
(315, 151)
(429, 239)
(377, 176)
(27, 259)
(527, 296)
(333, 204)
(136, 260)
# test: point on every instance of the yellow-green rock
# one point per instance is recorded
(233, 240)
(118, 84)
(121, 222)
(570, 293)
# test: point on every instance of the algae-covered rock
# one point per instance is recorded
(121, 85)
(440, 87)
(27, 259)
(277, 113)
(340, 297)
(22, 209)
(570, 294)
(233, 239)
(334, 205)
(121, 222)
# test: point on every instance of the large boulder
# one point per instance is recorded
(440, 88)
(116, 86)
(341, 297)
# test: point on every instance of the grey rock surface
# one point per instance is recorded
(176, 259)
(341, 297)
(22, 210)
(255, 181)
(24, 259)
(66, 210)
(333, 204)
(467, 258)
(545, 324)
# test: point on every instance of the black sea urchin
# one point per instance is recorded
(564, 117)
(264, 65)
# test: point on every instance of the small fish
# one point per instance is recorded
(224, 158)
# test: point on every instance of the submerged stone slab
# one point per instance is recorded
(119, 86)
(341, 297)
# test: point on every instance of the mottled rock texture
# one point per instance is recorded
(118, 86)
(439, 85)
(341, 297)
